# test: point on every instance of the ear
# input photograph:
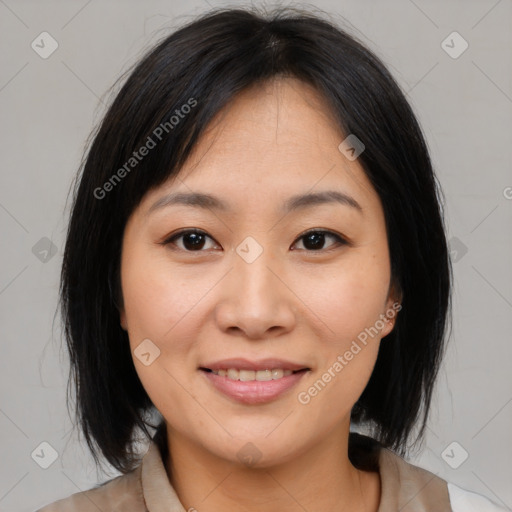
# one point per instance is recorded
(393, 306)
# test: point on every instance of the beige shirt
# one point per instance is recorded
(404, 487)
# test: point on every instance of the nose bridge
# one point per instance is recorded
(256, 299)
(251, 268)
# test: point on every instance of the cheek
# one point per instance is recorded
(349, 302)
(163, 307)
(347, 349)
(349, 299)
(350, 340)
(157, 298)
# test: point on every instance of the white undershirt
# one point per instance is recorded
(463, 500)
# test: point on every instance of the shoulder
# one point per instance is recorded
(463, 500)
(435, 493)
(122, 493)
(405, 486)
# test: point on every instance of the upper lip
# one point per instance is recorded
(262, 364)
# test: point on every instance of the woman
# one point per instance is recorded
(256, 254)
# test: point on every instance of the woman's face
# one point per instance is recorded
(252, 287)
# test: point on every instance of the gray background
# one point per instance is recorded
(49, 107)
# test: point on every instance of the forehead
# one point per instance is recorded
(272, 141)
(282, 121)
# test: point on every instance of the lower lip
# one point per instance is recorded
(254, 391)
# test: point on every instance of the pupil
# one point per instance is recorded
(316, 239)
(197, 242)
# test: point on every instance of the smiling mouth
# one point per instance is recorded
(253, 375)
(252, 387)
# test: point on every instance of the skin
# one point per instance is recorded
(292, 302)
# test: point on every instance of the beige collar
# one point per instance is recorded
(409, 488)
(159, 494)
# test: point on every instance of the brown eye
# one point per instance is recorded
(193, 240)
(315, 240)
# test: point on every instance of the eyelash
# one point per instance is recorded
(339, 239)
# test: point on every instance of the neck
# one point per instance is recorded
(321, 478)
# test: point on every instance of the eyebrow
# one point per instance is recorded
(297, 202)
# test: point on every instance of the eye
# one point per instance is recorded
(193, 240)
(314, 239)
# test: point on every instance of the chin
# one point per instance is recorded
(256, 450)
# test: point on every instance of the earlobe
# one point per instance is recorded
(389, 324)
(387, 327)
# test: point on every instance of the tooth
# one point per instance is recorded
(277, 373)
(233, 374)
(250, 375)
(246, 375)
(263, 375)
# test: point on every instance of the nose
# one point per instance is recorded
(255, 299)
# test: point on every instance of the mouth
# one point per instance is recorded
(254, 375)
(249, 382)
